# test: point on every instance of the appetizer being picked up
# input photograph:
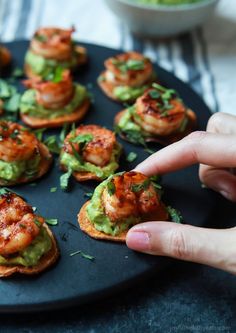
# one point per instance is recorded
(119, 202)
(127, 76)
(158, 115)
(52, 47)
(54, 101)
(90, 152)
(23, 158)
(27, 245)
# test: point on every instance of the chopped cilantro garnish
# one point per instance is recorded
(82, 139)
(52, 144)
(64, 179)
(111, 188)
(41, 38)
(154, 94)
(76, 154)
(88, 194)
(37, 222)
(140, 187)
(131, 156)
(53, 189)
(39, 133)
(175, 215)
(17, 72)
(51, 221)
(84, 255)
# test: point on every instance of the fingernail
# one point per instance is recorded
(226, 194)
(138, 240)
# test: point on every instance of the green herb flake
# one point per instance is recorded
(64, 131)
(17, 73)
(88, 194)
(64, 180)
(76, 154)
(39, 133)
(84, 255)
(51, 221)
(111, 188)
(41, 38)
(53, 189)
(37, 222)
(154, 94)
(131, 156)
(52, 144)
(175, 215)
(140, 187)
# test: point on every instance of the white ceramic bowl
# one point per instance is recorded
(159, 20)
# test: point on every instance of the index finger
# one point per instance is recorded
(217, 150)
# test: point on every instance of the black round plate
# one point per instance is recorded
(75, 279)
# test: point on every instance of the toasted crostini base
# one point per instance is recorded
(88, 227)
(168, 139)
(46, 261)
(107, 88)
(75, 116)
(82, 176)
(44, 165)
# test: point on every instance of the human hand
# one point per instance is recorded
(215, 149)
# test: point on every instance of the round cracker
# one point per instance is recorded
(168, 139)
(87, 226)
(44, 165)
(46, 261)
(75, 116)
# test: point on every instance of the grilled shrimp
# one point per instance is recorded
(131, 69)
(16, 143)
(155, 119)
(96, 149)
(53, 43)
(53, 95)
(18, 224)
(131, 194)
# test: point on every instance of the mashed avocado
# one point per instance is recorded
(28, 104)
(42, 66)
(167, 2)
(11, 171)
(32, 254)
(70, 162)
(126, 93)
(100, 221)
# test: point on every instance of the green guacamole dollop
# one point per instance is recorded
(126, 93)
(11, 171)
(101, 222)
(29, 105)
(42, 66)
(31, 254)
(70, 162)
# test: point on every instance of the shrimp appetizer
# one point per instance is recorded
(120, 202)
(54, 101)
(90, 152)
(23, 158)
(52, 47)
(27, 245)
(126, 77)
(158, 115)
(5, 56)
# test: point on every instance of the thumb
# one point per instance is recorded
(216, 248)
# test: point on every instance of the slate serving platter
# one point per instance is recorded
(75, 279)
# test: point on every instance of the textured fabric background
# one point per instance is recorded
(205, 57)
